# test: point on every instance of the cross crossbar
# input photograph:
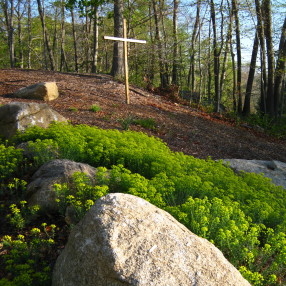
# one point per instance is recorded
(125, 41)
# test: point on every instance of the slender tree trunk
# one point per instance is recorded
(238, 54)
(9, 21)
(87, 37)
(164, 40)
(55, 39)
(46, 36)
(246, 107)
(117, 69)
(191, 75)
(74, 40)
(280, 71)
(64, 63)
(20, 35)
(226, 52)
(95, 40)
(29, 26)
(175, 40)
(216, 55)
(152, 57)
(163, 74)
(209, 66)
(260, 31)
(270, 56)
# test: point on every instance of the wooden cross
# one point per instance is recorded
(125, 41)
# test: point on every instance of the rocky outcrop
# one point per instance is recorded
(124, 240)
(19, 115)
(274, 170)
(46, 91)
(41, 192)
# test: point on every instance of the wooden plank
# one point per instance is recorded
(124, 40)
(126, 63)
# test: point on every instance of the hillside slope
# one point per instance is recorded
(181, 127)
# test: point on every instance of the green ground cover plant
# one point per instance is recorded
(243, 215)
(95, 108)
(147, 123)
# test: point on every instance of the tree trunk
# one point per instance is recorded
(46, 35)
(246, 107)
(163, 74)
(95, 40)
(191, 75)
(164, 41)
(238, 54)
(20, 35)
(270, 56)
(280, 71)
(29, 26)
(260, 30)
(87, 29)
(117, 69)
(209, 66)
(63, 32)
(175, 40)
(9, 22)
(226, 51)
(74, 40)
(216, 55)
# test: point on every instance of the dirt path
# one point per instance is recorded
(181, 127)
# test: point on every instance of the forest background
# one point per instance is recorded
(225, 53)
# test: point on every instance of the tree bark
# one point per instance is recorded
(9, 21)
(20, 34)
(175, 43)
(246, 107)
(117, 69)
(280, 71)
(191, 75)
(260, 31)
(29, 28)
(63, 32)
(164, 40)
(95, 40)
(238, 54)
(216, 55)
(163, 74)
(74, 40)
(270, 56)
(46, 36)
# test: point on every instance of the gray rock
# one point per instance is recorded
(46, 91)
(41, 192)
(124, 240)
(274, 170)
(19, 115)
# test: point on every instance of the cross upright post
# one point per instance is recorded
(125, 41)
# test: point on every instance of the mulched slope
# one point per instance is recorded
(181, 127)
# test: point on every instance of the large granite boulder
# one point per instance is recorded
(46, 91)
(41, 191)
(20, 115)
(274, 170)
(124, 240)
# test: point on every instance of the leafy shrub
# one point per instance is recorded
(148, 123)
(10, 159)
(244, 215)
(126, 122)
(21, 216)
(24, 263)
(80, 195)
(95, 108)
(73, 109)
(258, 251)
